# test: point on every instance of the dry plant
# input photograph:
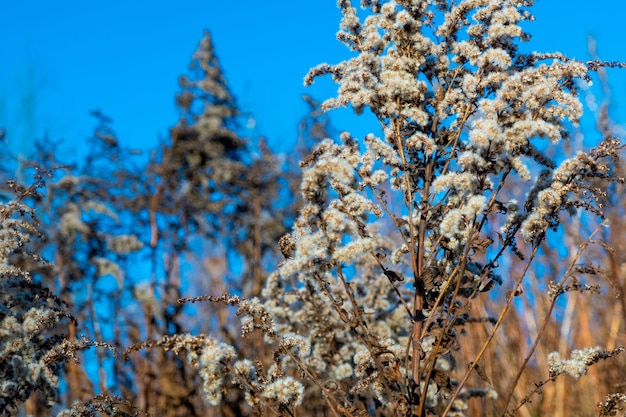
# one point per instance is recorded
(34, 341)
(399, 236)
(449, 266)
(127, 237)
(590, 315)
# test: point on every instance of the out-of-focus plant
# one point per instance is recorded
(34, 342)
(29, 312)
(128, 237)
(215, 209)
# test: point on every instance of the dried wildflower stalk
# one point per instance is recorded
(33, 346)
(396, 237)
(464, 115)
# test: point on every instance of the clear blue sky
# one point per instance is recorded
(61, 59)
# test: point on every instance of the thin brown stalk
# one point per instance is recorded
(496, 326)
(546, 320)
